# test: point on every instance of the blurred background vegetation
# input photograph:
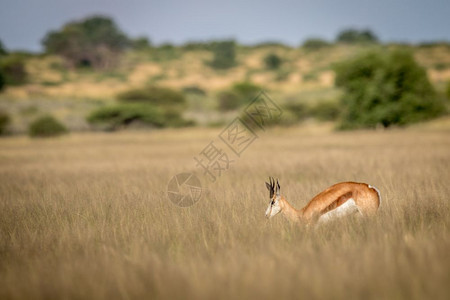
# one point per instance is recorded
(92, 76)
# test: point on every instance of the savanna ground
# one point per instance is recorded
(87, 216)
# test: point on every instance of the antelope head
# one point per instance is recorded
(275, 197)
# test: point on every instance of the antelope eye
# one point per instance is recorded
(273, 202)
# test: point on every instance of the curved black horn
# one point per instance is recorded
(278, 187)
(271, 186)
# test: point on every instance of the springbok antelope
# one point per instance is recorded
(339, 200)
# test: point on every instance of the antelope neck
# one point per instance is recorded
(289, 211)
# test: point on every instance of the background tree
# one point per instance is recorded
(447, 91)
(385, 89)
(159, 96)
(46, 126)
(141, 43)
(246, 90)
(228, 100)
(272, 61)
(2, 49)
(197, 45)
(350, 36)
(95, 41)
(12, 70)
(149, 106)
(4, 122)
(240, 93)
(2, 81)
(315, 43)
(224, 54)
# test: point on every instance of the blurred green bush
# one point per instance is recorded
(149, 106)
(298, 110)
(224, 54)
(120, 115)
(2, 50)
(46, 126)
(388, 89)
(315, 44)
(229, 100)
(141, 43)
(2, 81)
(246, 89)
(12, 70)
(326, 110)
(239, 94)
(295, 112)
(272, 61)
(195, 90)
(447, 91)
(197, 45)
(4, 122)
(153, 95)
(351, 36)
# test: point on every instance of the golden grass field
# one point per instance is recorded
(86, 216)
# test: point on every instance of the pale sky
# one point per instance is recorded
(23, 23)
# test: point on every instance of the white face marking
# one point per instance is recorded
(274, 208)
(348, 208)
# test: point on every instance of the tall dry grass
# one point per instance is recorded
(86, 216)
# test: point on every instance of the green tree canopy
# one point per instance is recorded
(2, 49)
(12, 70)
(224, 54)
(315, 43)
(2, 76)
(385, 89)
(160, 96)
(46, 126)
(141, 43)
(94, 41)
(2, 80)
(447, 91)
(272, 61)
(240, 93)
(350, 36)
(4, 122)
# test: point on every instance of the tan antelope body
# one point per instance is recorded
(339, 200)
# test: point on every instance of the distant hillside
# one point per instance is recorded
(301, 70)
(303, 75)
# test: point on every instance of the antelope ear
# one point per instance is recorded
(268, 186)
